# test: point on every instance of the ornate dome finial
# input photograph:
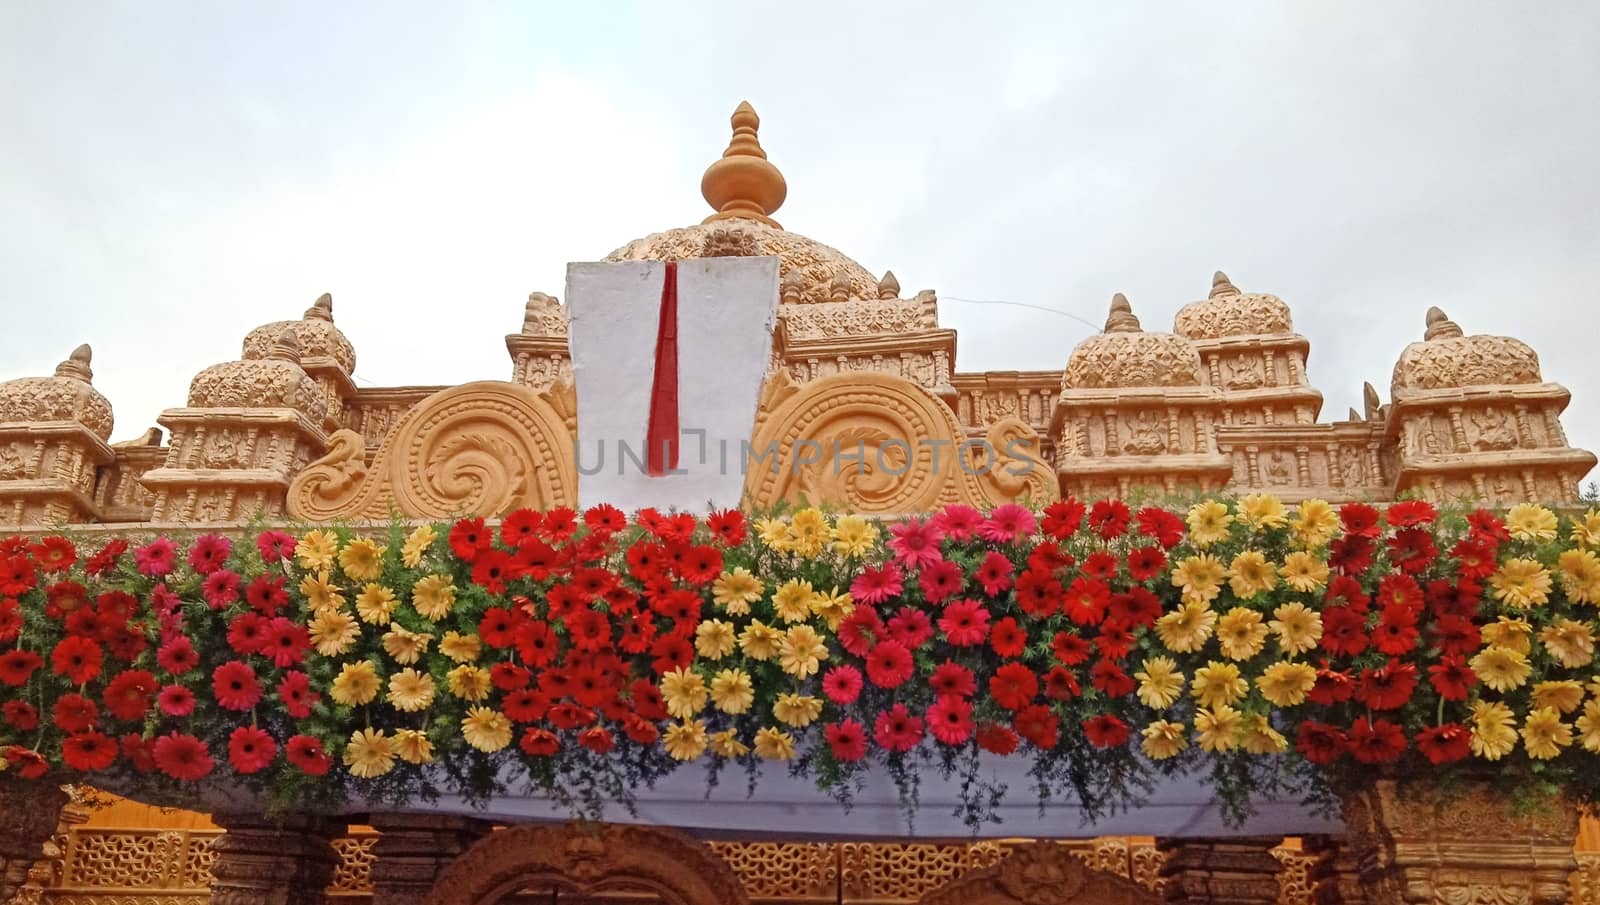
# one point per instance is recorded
(1221, 285)
(77, 364)
(888, 287)
(1121, 319)
(285, 348)
(321, 309)
(839, 287)
(1439, 326)
(743, 184)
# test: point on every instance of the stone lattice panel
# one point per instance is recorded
(784, 871)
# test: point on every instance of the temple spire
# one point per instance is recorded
(1221, 285)
(743, 184)
(1121, 319)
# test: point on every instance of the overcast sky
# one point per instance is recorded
(174, 174)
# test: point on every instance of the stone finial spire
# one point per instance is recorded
(1221, 285)
(77, 364)
(839, 287)
(1370, 401)
(285, 348)
(743, 184)
(888, 287)
(1121, 319)
(321, 309)
(1439, 326)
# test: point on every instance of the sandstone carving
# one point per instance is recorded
(477, 449)
(1041, 873)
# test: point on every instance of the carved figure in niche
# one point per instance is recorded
(1279, 468)
(1425, 440)
(1350, 465)
(1245, 372)
(1502, 487)
(1495, 430)
(11, 462)
(1145, 435)
(224, 450)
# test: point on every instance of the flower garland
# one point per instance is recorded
(581, 656)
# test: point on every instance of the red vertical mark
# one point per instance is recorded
(661, 436)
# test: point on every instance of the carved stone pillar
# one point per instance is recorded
(1414, 844)
(29, 814)
(260, 862)
(1221, 871)
(412, 851)
(1334, 874)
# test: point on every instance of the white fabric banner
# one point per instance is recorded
(726, 311)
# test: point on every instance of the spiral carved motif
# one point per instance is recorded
(478, 449)
(878, 444)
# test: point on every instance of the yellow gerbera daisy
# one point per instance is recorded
(361, 559)
(1241, 633)
(1298, 627)
(1544, 735)
(1494, 731)
(469, 683)
(460, 648)
(801, 651)
(1560, 695)
(486, 729)
(1580, 575)
(315, 551)
(375, 604)
(1208, 523)
(685, 741)
(808, 531)
(1570, 642)
(1250, 574)
(1501, 668)
(726, 744)
(1258, 737)
(792, 601)
(413, 746)
(685, 692)
(714, 639)
(321, 594)
(734, 591)
(356, 684)
(406, 647)
(1507, 632)
(1287, 684)
(1163, 739)
(1586, 531)
(853, 536)
(1186, 629)
(774, 534)
(1589, 726)
(333, 632)
(1199, 577)
(1304, 572)
(773, 743)
(732, 691)
(433, 596)
(1262, 510)
(1521, 583)
(760, 641)
(1218, 728)
(369, 754)
(1314, 525)
(410, 691)
(797, 710)
(416, 545)
(1217, 684)
(1160, 683)
(832, 607)
(1530, 521)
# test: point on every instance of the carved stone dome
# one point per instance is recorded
(1229, 312)
(745, 189)
(315, 333)
(275, 380)
(1126, 356)
(68, 396)
(1447, 358)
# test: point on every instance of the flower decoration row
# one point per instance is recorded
(581, 655)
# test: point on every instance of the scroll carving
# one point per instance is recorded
(583, 860)
(881, 444)
(1040, 873)
(477, 449)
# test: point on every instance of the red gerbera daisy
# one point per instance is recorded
(1087, 600)
(1445, 744)
(950, 719)
(847, 739)
(176, 700)
(1487, 527)
(996, 739)
(950, 678)
(182, 756)
(1344, 631)
(842, 684)
(1145, 563)
(20, 715)
(1111, 679)
(1388, 687)
(54, 554)
(993, 574)
(76, 658)
(860, 630)
(958, 522)
(74, 713)
(305, 752)
(965, 623)
(275, 546)
(1070, 649)
(1060, 684)
(1101, 564)
(127, 697)
(539, 742)
(727, 526)
(157, 558)
(209, 553)
(941, 580)
(1320, 743)
(877, 584)
(914, 543)
(1455, 635)
(1013, 686)
(1359, 520)
(1007, 638)
(1351, 555)
(28, 763)
(17, 666)
(1331, 687)
(911, 627)
(294, 691)
(889, 664)
(1376, 742)
(235, 687)
(1114, 642)
(221, 589)
(1409, 513)
(1063, 518)
(519, 526)
(89, 751)
(1105, 731)
(672, 652)
(1165, 527)
(250, 750)
(1109, 518)
(1452, 678)
(1038, 725)
(468, 538)
(177, 655)
(897, 729)
(1039, 594)
(647, 699)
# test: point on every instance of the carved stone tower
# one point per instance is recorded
(1250, 351)
(53, 433)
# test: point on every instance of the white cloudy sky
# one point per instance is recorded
(173, 174)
